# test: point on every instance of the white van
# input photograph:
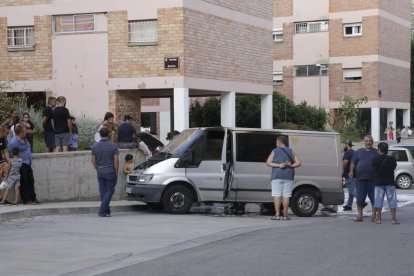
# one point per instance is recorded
(229, 165)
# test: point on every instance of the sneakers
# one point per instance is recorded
(347, 208)
(105, 215)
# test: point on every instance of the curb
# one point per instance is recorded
(51, 211)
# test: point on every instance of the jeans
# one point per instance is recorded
(381, 191)
(350, 185)
(107, 183)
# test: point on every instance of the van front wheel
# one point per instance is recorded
(177, 199)
(304, 203)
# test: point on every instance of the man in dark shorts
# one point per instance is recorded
(361, 164)
(47, 127)
(62, 124)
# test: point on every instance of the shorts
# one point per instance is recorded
(63, 139)
(12, 182)
(127, 145)
(50, 140)
(364, 188)
(381, 191)
(282, 187)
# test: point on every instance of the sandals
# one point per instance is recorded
(286, 218)
(275, 218)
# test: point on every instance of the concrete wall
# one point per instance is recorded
(71, 176)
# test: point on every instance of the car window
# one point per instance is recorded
(399, 155)
(410, 148)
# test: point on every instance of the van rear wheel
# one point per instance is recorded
(177, 199)
(305, 203)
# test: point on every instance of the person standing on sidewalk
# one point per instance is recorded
(349, 182)
(27, 189)
(361, 165)
(384, 166)
(105, 159)
(283, 161)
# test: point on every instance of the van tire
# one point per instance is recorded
(305, 203)
(177, 199)
(404, 181)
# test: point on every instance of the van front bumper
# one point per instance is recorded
(332, 198)
(145, 192)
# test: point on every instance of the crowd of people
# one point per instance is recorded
(369, 172)
(403, 133)
(61, 134)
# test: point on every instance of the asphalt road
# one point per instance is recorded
(337, 246)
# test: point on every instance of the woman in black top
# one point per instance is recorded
(384, 167)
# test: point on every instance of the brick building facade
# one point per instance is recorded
(356, 48)
(133, 57)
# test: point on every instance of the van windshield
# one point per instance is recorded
(182, 142)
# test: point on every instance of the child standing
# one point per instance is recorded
(13, 178)
(129, 164)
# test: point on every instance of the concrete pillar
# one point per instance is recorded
(406, 117)
(267, 111)
(228, 109)
(375, 123)
(181, 108)
(392, 117)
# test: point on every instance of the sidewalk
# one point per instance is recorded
(11, 212)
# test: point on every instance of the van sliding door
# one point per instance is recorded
(250, 169)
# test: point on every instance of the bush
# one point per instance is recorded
(293, 116)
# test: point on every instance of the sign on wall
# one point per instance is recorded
(171, 63)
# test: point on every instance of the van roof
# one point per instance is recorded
(271, 130)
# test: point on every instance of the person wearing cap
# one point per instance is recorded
(349, 182)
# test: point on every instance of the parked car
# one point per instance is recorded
(229, 165)
(404, 173)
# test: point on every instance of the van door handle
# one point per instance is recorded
(223, 167)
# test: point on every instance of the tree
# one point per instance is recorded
(348, 113)
(285, 113)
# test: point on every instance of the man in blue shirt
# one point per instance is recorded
(27, 189)
(361, 165)
(105, 159)
(349, 182)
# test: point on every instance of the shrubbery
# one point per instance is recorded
(86, 125)
(286, 115)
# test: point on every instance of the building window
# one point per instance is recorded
(277, 78)
(311, 70)
(311, 27)
(74, 23)
(352, 74)
(353, 29)
(20, 37)
(278, 35)
(142, 32)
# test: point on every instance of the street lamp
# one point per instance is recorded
(320, 84)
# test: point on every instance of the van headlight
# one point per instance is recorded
(145, 177)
